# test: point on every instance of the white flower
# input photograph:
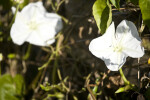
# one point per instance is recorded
(1, 57)
(34, 25)
(114, 47)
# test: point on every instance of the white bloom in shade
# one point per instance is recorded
(114, 47)
(34, 25)
(1, 57)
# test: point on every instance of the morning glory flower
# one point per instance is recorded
(114, 47)
(36, 26)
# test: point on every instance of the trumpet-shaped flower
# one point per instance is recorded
(36, 26)
(114, 47)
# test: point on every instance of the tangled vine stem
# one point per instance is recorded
(123, 77)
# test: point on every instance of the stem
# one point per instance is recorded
(58, 45)
(54, 70)
(14, 16)
(60, 78)
(91, 95)
(96, 87)
(123, 77)
(53, 7)
(47, 63)
(27, 52)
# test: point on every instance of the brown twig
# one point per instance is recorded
(91, 93)
(104, 76)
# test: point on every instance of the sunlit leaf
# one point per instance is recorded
(11, 55)
(46, 88)
(50, 87)
(11, 88)
(102, 14)
(57, 95)
(145, 9)
(116, 3)
(125, 88)
(20, 84)
(7, 88)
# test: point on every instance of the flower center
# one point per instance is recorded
(117, 49)
(32, 25)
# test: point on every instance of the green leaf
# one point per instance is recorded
(11, 55)
(116, 3)
(125, 88)
(20, 85)
(11, 88)
(7, 88)
(57, 95)
(102, 14)
(145, 9)
(50, 87)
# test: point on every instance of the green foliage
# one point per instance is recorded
(11, 88)
(145, 9)
(116, 3)
(102, 14)
(11, 55)
(58, 95)
(7, 88)
(20, 85)
(125, 88)
(50, 87)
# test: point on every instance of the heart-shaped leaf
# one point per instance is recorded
(102, 14)
(145, 9)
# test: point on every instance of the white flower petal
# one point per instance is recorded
(129, 39)
(34, 25)
(114, 48)
(38, 5)
(19, 31)
(34, 11)
(46, 31)
(41, 36)
(101, 46)
(115, 61)
(122, 30)
(36, 39)
(55, 21)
